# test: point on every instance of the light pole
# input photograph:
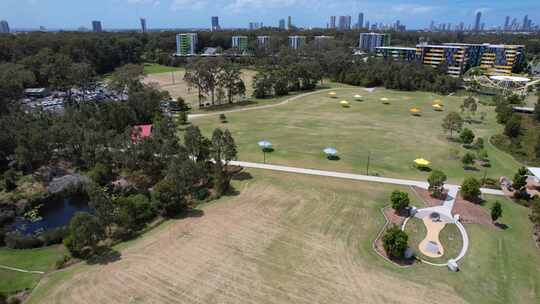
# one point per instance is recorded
(368, 160)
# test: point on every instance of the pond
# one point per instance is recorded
(53, 214)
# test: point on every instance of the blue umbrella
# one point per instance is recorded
(265, 144)
(330, 151)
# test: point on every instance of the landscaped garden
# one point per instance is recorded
(371, 137)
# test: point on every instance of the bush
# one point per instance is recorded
(395, 242)
(15, 240)
(54, 236)
(436, 182)
(479, 144)
(466, 136)
(470, 189)
(467, 159)
(496, 211)
(10, 180)
(201, 194)
(101, 174)
(61, 263)
(400, 200)
(512, 128)
(223, 118)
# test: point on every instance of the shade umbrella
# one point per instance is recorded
(330, 151)
(358, 97)
(422, 162)
(265, 147)
(415, 111)
(385, 100)
(332, 94)
(344, 103)
(437, 107)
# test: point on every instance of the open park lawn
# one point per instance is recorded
(289, 238)
(41, 259)
(301, 129)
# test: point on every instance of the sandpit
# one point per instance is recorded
(431, 245)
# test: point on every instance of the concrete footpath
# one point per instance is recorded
(358, 177)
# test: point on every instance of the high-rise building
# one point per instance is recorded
(240, 42)
(255, 25)
(215, 24)
(344, 23)
(281, 24)
(186, 44)
(370, 41)
(506, 23)
(477, 22)
(525, 24)
(296, 42)
(4, 27)
(263, 41)
(289, 23)
(332, 22)
(367, 24)
(96, 26)
(360, 20)
(143, 25)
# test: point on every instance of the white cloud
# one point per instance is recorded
(413, 9)
(177, 5)
(154, 3)
(237, 5)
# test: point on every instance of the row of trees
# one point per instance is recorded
(220, 79)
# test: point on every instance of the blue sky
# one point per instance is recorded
(237, 13)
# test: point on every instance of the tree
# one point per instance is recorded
(82, 75)
(452, 122)
(85, 233)
(223, 151)
(14, 78)
(496, 211)
(470, 105)
(10, 180)
(466, 136)
(537, 110)
(134, 212)
(436, 182)
(167, 199)
(512, 127)
(230, 79)
(103, 207)
(395, 242)
(197, 146)
(127, 77)
(470, 189)
(400, 200)
(503, 110)
(101, 174)
(520, 179)
(467, 159)
(535, 212)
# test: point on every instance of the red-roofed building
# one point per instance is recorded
(141, 132)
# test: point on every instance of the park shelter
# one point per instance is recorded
(141, 132)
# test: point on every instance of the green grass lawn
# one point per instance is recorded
(40, 259)
(389, 134)
(153, 68)
(450, 239)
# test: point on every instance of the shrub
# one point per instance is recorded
(400, 200)
(15, 240)
(466, 136)
(470, 189)
(467, 159)
(54, 236)
(436, 182)
(479, 144)
(101, 174)
(496, 211)
(61, 263)
(395, 242)
(10, 180)
(520, 178)
(201, 194)
(512, 128)
(223, 118)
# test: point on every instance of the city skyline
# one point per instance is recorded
(120, 14)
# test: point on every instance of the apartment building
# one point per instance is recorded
(240, 42)
(186, 44)
(370, 41)
(296, 42)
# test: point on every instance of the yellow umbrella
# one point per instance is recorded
(437, 107)
(384, 99)
(415, 111)
(422, 162)
(332, 94)
(357, 97)
(344, 103)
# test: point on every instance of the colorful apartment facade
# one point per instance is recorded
(369, 42)
(186, 44)
(457, 58)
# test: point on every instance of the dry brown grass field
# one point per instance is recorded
(284, 239)
(173, 82)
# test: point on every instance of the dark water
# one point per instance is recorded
(54, 214)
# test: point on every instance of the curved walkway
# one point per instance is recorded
(284, 102)
(21, 270)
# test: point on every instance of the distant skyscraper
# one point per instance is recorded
(360, 20)
(289, 23)
(281, 24)
(432, 25)
(143, 25)
(215, 23)
(4, 27)
(344, 23)
(332, 22)
(96, 26)
(525, 24)
(477, 21)
(506, 23)
(367, 24)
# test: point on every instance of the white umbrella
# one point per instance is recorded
(264, 144)
(330, 151)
